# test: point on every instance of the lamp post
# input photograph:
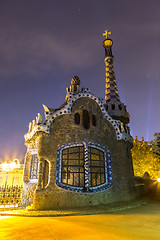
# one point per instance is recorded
(8, 167)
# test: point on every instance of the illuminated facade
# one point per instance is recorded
(80, 154)
(13, 178)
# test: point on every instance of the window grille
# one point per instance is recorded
(72, 171)
(83, 166)
(96, 167)
(34, 167)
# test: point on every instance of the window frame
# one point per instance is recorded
(33, 152)
(72, 164)
(86, 188)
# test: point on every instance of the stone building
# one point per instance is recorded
(13, 176)
(80, 155)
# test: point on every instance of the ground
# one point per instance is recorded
(139, 222)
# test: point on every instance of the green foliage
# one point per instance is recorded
(145, 159)
(156, 144)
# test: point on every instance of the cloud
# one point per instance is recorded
(30, 52)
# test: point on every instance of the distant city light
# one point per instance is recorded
(7, 167)
(10, 166)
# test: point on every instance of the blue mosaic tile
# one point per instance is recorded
(67, 110)
(88, 189)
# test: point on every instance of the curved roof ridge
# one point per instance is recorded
(45, 127)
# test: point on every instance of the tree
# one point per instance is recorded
(145, 159)
(156, 144)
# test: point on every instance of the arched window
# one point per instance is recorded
(77, 118)
(83, 167)
(120, 107)
(96, 167)
(72, 170)
(113, 106)
(93, 120)
(86, 119)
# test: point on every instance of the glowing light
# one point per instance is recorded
(158, 179)
(8, 167)
(4, 166)
(9, 206)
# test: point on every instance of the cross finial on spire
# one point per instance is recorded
(106, 33)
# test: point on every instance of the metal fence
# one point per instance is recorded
(10, 196)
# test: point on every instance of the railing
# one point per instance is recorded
(10, 196)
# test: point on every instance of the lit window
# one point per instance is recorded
(96, 167)
(15, 181)
(83, 167)
(34, 167)
(72, 170)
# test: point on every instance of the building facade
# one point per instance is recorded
(80, 155)
(11, 177)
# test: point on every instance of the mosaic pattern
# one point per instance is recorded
(108, 169)
(45, 127)
(111, 86)
(86, 166)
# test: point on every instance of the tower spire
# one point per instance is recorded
(112, 100)
(111, 86)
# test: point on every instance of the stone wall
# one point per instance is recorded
(28, 194)
(64, 130)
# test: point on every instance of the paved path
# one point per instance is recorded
(139, 223)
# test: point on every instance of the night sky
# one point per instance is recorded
(43, 44)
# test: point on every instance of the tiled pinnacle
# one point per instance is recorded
(111, 86)
(113, 105)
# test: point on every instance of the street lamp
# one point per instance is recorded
(8, 167)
